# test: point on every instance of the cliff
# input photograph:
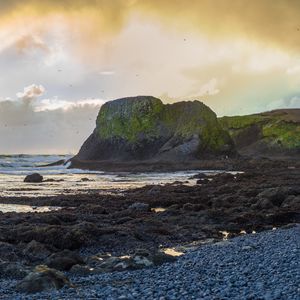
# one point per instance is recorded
(143, 128)
(274, 133)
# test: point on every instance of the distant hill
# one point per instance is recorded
(269, 134)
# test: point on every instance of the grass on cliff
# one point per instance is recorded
(274, 128)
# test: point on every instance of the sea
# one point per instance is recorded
(14, 168)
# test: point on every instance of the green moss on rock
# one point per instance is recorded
(278, 130)
(129, 118)
(141, 118)
(144, 128)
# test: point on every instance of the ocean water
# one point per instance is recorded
(14, 168)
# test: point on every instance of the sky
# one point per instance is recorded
(60, 60)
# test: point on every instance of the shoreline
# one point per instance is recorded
(150, 218)
(229, 164)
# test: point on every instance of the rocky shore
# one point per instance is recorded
(254, 266)
(134, 227)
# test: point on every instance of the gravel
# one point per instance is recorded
(254, 266)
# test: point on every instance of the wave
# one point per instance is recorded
(32, 155)
(24, 164)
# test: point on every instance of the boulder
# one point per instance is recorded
(292, 202)
(275, 195)
(81, 270)
(188, 207)
(139, 206)
(161, 258)
(64, 260)
(142, 258)
(202, 181)
(33, 178)
(223, 177)
(199, 176)
(42, 279)
(85, 179)
(264, 203)
(36, 251)
(96, 260)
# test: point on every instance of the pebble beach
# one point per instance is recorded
(265, 265)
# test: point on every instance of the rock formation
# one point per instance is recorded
(143, 128)
(275, 133)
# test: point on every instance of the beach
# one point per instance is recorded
(179, 210)
(254, 266)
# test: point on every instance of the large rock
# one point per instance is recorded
(143, 128)
(42, 279)
(63, 260)
(140, 259)
(274, 195)
(36, 251)
(33, 178)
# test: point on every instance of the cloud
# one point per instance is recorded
(207, 89)
(49, 126)
(30, 42)
(64, 105)
(237, 56)
(266, 21)
(31, 92)
(292, 102)
(106, 73)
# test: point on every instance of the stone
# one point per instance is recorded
(188, 207)
(110, 263)
(288, 226)
(96, 260)
(64, 260)
(85, 179)
(291, 201)
(82, 270)
(36, 251)
(199, 176)
(275, 195)
(33, 178)
(142, 261)
(264, 203)
(42, 279)
(202, 181)
(160, 258)
(139, 206)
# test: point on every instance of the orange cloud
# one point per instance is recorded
(268, 21)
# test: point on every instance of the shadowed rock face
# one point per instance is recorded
(143, 128)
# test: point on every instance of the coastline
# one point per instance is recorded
(226, 164)
(263, 196)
